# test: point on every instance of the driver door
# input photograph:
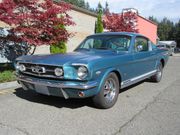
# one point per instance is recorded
(144, 57)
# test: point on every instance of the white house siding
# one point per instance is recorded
(85, 25)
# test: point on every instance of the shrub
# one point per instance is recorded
(58, 48)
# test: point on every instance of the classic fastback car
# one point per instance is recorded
(98, 68)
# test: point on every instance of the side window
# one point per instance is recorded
(141, 44)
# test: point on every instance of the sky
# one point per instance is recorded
(156, 8)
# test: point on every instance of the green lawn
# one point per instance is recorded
(7, 73)
(7, 76)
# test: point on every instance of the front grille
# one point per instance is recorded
(47, 73)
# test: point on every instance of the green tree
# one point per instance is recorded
(74, 2)
(153, 19)
(172, 33)
(165, 29)
(106, 9)
(99, 23)
(177, 33)
(81, 4)
(99, 7)
(87, 6)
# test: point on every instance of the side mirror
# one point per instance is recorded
(139, 48)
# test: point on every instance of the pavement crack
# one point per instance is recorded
(155, 99)
(166, 101)
(137, 114)
(16, 128)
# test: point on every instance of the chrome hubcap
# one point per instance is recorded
(159, 73)
(109, 89)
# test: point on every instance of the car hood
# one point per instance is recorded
(68, 58)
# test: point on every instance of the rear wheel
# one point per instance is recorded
(158, 76)
(108, 95)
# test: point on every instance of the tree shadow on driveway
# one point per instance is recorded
(58, 102)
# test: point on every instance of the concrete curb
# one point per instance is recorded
(9, 85)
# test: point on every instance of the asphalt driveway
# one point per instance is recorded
(144, 109)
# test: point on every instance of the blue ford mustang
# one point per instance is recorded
(98, 68)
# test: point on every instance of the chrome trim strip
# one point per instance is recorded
(79, 64)
(80, 86)
(143, 75)
(134, 80)
(41, 75)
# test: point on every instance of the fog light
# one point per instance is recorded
(58, 71)
(81, 94)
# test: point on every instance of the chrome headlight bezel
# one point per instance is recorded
(21, 67)
(58, 72)
(82, 72)
(17, 65)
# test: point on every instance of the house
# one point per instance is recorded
(147, 28)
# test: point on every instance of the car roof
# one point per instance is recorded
(117, 34)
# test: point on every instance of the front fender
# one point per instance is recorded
(104, 76)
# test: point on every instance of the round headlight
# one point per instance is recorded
(58, 71)
(82, 72)
(17, 66)
(21, 67)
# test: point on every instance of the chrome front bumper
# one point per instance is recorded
(57, 84)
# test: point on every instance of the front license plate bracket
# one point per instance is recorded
(42, 89)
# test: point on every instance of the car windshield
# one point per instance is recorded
(116, 43)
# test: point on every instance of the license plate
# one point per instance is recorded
(42, 89)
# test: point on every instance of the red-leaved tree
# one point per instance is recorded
(125, 22)
(36, 22)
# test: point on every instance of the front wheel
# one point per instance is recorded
(108, 95)
(158, 76)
